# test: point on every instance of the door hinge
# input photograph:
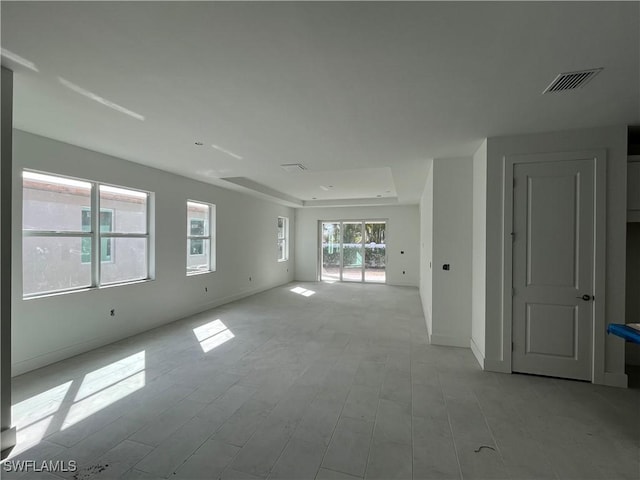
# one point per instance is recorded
(513, 292)
(513, 346)
(514, 181)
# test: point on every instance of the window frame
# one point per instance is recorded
(284, 239)
(210, 236)
(94, 234)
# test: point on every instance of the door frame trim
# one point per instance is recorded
(599, 158)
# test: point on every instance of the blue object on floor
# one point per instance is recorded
(625, 332)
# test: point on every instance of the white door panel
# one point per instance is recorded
(551, 237)
(553, 265)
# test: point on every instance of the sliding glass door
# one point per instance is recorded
(352, 258)
(353, 251)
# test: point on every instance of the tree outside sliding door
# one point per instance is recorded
(353, 251)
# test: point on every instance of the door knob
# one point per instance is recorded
(585, 297)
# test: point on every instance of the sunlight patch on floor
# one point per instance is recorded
(303, 291)
(33, 416)
(39, 406)
(212, 335)
(100, 388)
(102, 399)
(110, 375)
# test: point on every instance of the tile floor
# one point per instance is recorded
(324, 381)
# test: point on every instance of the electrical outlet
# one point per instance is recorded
(404, 272)
(249, 278)
(112, 312)
(206, 289)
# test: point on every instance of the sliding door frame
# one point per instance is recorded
(341, 222)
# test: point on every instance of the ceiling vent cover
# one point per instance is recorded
(293, 167)
(572, 80)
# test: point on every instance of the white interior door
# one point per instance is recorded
(553, 268)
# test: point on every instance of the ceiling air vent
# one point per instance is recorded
(572, 80)
(293, 167)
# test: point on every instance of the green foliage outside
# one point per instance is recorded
(352, 244)
(374, 257)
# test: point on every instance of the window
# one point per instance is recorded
(65, 248)
(283, 239)
(200, 237)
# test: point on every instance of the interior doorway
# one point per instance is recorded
(353, 251)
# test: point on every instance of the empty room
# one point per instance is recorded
(320, 240)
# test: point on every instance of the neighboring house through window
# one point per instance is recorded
(65, 248)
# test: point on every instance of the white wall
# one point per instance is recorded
(402, 235)
(452, 244)
(426, 248)
(7, 431)
(614, 140)
(479, 253)
(52, 328)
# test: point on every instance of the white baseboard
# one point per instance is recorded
(402, 284)
(477, 353)
(449, 341)
(499, 366)
(24, 366)
(228, 299)
(427, 316)
(615, 380)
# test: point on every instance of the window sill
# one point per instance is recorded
(195, 274)
(85, 289)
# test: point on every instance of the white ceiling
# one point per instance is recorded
(360, 93)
